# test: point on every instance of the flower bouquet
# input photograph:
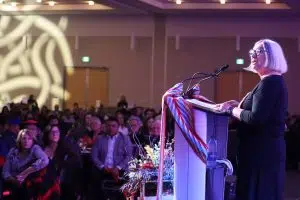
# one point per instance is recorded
(145, 169)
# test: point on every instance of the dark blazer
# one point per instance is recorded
(262, 126)
(122, 151)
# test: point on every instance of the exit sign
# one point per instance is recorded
(239, 61)
(85, 59)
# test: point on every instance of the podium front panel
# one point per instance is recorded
(192, 180)
(190, 171)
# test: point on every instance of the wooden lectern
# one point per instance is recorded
(193, 180)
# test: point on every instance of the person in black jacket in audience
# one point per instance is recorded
(60, 180)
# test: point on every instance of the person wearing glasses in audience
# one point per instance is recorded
(61, 177)
(136, 136)
(261, 124)
(154, 135)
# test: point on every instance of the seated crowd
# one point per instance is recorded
(71, 154)
(79, 153)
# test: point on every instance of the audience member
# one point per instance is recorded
(147, 126)
(122, 104)
(31, 126)
(32, 103)
(110, 156)
(89, 138)
(149, 112)
(65, 163)
(53, 120)
(137, 138)
(5, 111)
(154, 136)
(23, 160)
(8, 138)
(122, 126)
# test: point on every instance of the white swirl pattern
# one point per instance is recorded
(32, 65)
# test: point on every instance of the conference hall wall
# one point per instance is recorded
(205, 43)
(124, 45)
(207, 53)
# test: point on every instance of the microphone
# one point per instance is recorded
(222, 69)
(189, 91)
(194, 77)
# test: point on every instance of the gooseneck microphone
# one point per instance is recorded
(222, 69)
(189, 91)
(197, 75)
(194, 77)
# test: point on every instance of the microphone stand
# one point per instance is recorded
(193, 77)
(189, 91)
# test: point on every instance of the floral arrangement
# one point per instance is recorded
(146, 168)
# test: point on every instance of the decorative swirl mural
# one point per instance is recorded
(30, 63)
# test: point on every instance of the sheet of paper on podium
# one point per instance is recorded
(204, 105)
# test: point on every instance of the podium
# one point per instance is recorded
(193, 180)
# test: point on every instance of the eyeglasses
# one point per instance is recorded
(254, 53)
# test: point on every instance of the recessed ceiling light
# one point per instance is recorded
(222, 1)
(51, 3)
(178, 2)
(39, 1)
(268, 1)
(91, 3)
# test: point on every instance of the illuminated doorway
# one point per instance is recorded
(88, 86)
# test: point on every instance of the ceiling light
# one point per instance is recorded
(178, 2)
(222, 1)
(91, 3)
(51, 3)
(268, 1)
(39, 1)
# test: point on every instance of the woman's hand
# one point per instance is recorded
(223, 107)
(21, 177)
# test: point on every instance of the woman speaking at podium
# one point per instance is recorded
(261, 115)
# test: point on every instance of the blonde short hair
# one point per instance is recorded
(21, 134)
(275, 59)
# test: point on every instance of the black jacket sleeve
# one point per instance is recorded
(264, 99)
